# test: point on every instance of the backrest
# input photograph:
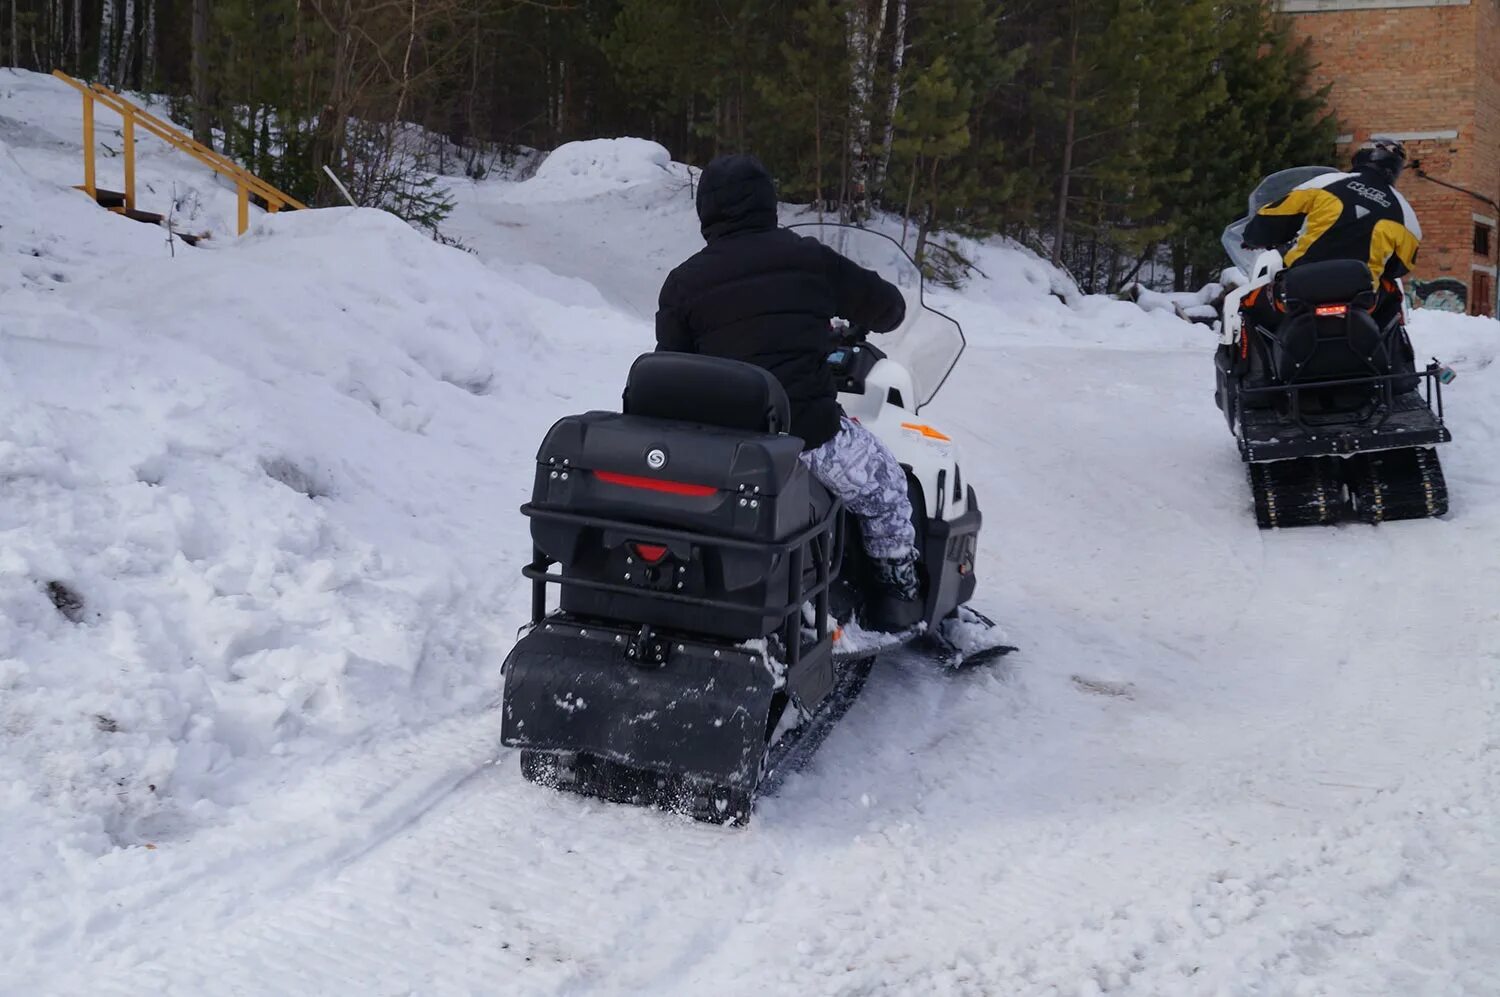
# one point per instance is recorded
(1313, 348)
(1331, 282)
(713, 391)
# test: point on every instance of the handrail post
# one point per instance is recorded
(88, 146)
(132, 116)
(129, 117)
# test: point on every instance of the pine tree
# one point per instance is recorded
(1272, 118)
(932, 127)
(807, 97)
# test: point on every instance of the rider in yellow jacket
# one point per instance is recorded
(1347, 216)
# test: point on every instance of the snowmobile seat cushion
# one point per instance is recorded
(1327, 283)
(713, 391)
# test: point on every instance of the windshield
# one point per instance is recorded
(928, 343)
(1272, 189)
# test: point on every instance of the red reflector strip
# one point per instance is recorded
(656, 484)
(650, 553)
(1329, 311)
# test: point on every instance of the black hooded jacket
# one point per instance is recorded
(764, 295)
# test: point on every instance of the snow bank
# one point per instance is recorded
(599, 166)
(256, 503)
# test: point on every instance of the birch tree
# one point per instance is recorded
(893, 92)
(106, 40)
(127, 46)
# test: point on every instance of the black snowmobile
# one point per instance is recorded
(705, 636)
(1327, 405)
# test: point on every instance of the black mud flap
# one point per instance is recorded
(949, 550)
(689, 708)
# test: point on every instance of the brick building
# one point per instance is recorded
(1426, 72)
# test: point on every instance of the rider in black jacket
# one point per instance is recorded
(766, 296)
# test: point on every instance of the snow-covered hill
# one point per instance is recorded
(274, 480)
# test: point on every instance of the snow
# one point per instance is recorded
(597, 166)
(281, 475)
(1194, 306)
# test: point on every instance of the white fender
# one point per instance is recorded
(929, 452)
(1267, 265)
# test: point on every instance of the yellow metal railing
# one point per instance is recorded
(246, 183)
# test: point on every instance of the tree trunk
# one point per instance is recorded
(1070, 130)
(818, 155)
(106, 40)
(127, 46)
(911, 189)
(78, 36)
(15, 33)
(60, 33)
(893, 97)
(333, 125)
(57, 43)
(148, 53)
(861, 85)
(202, 126)
(929, 213)
(1179, 268)
(411, 40)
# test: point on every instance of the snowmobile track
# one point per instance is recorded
(1307, 491)
(1398, 484)
(1377, 487)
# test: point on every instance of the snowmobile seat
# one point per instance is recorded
(1332, 282)
(679, 521)
(713, 391)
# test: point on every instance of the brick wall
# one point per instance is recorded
(1420, 70)
(1486, 169)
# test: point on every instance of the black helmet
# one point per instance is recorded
(1386, 157)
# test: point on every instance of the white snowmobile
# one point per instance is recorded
(706, 631)
(1327, 405)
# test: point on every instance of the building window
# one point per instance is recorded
(1482, 300)
(1483, 237)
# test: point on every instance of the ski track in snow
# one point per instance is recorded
(1223, 761)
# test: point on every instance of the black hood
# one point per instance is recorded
(735, 194)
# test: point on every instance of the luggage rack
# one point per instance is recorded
(1383, 423)
(831, 527)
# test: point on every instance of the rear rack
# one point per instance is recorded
(830, 528)
(1390, 419)
(1381, 407)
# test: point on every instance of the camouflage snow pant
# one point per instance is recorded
(858, 468)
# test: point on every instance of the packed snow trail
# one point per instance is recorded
(1224, 761)
(1197, 787)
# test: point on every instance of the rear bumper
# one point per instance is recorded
(704, 712)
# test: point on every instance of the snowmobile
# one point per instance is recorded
(1330, 412)
(706, 630)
